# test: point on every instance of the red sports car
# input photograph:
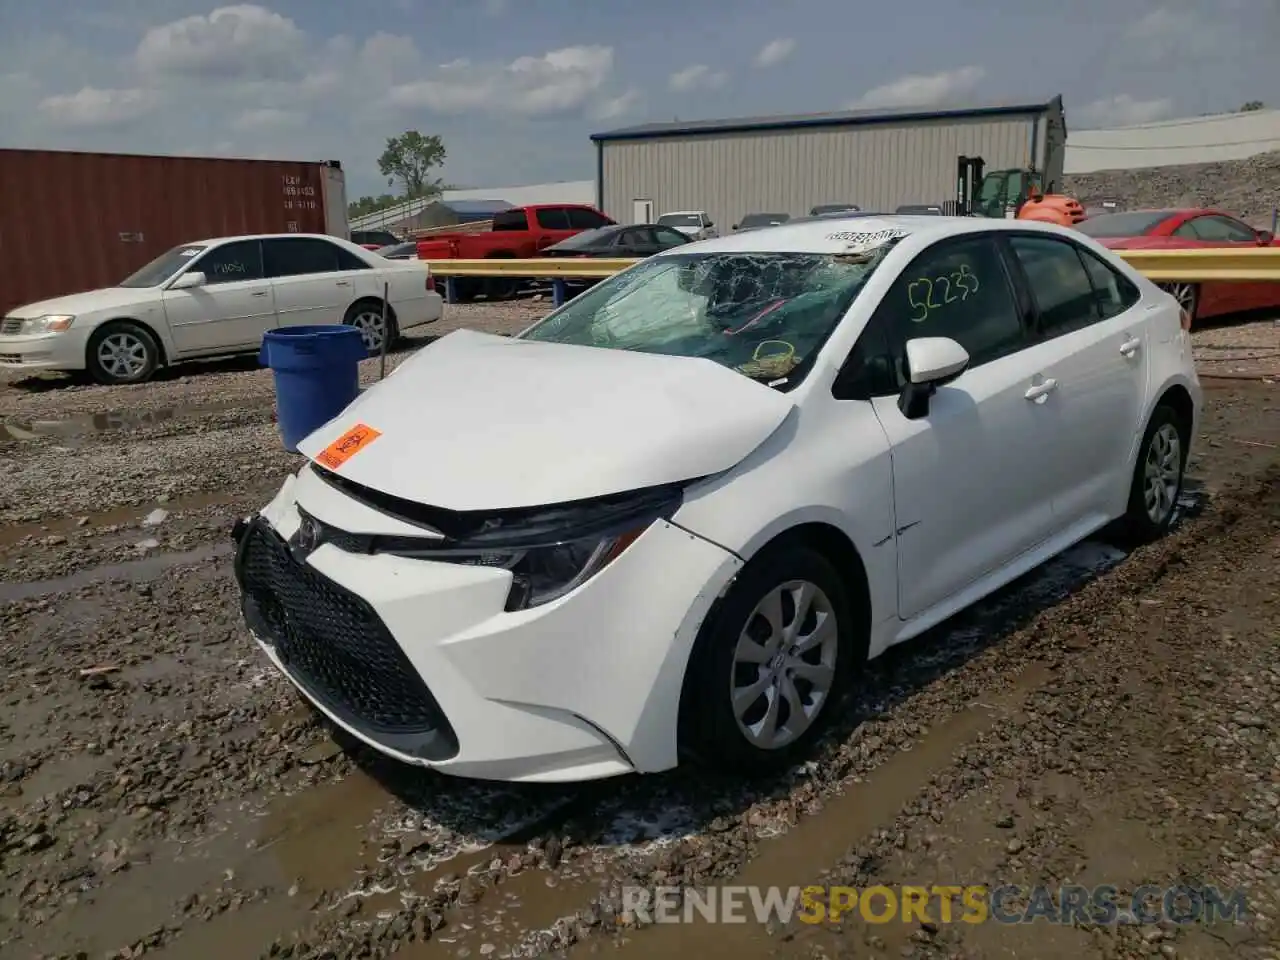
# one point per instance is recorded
(1190, 228)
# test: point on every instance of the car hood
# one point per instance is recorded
(77, 304)
(483, 422)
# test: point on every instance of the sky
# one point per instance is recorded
(516, 87)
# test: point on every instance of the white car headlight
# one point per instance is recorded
(51, 323)
(552, 550)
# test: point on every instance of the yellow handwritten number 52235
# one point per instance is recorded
(927, 294)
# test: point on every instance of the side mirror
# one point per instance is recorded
(188, 280)
(931, 362)
(1265, 237)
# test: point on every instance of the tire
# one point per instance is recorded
(501, 288)
(1187, 295)
(366, 316)
(121, 352)
(1157, 477)
(711, 728)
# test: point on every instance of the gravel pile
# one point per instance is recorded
(1248, 188)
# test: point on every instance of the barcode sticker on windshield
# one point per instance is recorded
(859, 241)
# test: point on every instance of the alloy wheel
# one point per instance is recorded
(784, 664)
(1184, 293)
(1162, 473)
(371, 329)
(122, 355)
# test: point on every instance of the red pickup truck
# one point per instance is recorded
(520, 234)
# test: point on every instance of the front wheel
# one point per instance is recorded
(772, 664)
(121, 352)
(1158, 476)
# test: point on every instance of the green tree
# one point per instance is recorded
(409, 160)
(1253, 105)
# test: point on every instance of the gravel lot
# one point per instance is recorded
(162, 792)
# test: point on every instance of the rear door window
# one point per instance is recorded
(1059, 283)
(1113, 292)
(292, 258)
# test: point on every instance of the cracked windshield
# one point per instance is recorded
(762, 314)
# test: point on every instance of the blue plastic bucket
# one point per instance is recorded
(317, 375)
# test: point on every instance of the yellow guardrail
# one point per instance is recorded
(568, 268)
(1218, 265)
(1165, 266)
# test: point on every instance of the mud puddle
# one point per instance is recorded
(355, 848)
(111, 421)
(799, 855)
(528, 906)
(132, 571)
(118, 516)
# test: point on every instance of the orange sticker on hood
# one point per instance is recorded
(347, 446)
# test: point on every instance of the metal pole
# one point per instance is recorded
(386, 334)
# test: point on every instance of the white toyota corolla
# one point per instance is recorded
(676, 515)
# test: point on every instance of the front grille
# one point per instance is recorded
(11, 325)
(337, 649)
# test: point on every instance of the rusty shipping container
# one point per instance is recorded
(79, 221)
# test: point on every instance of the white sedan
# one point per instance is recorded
(216, 297)
(677, 515)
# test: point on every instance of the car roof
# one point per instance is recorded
(272, 236)
(835, 234)
(682, 213)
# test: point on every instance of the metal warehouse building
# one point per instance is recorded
(877, 159)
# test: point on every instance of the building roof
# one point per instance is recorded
(844, 118)
(473, 207)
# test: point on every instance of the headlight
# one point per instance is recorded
(53, 323)
(549, 551)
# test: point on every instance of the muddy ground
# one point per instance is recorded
(1110, 719)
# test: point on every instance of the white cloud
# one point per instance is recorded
(775, 51)
(1122, 110)
(1180, 33)
(612, 108)
(96, 107)
(268, 119)
(557, 82)
(921, 90)
(244, 42)
(697, 77)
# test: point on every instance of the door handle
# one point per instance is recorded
(1130, 347)
(1040, 392)
(258, 293)
(343, 283)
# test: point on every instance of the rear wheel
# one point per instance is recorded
(366, 316)
(1158, 476)
(501, 288)
(121, 352)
